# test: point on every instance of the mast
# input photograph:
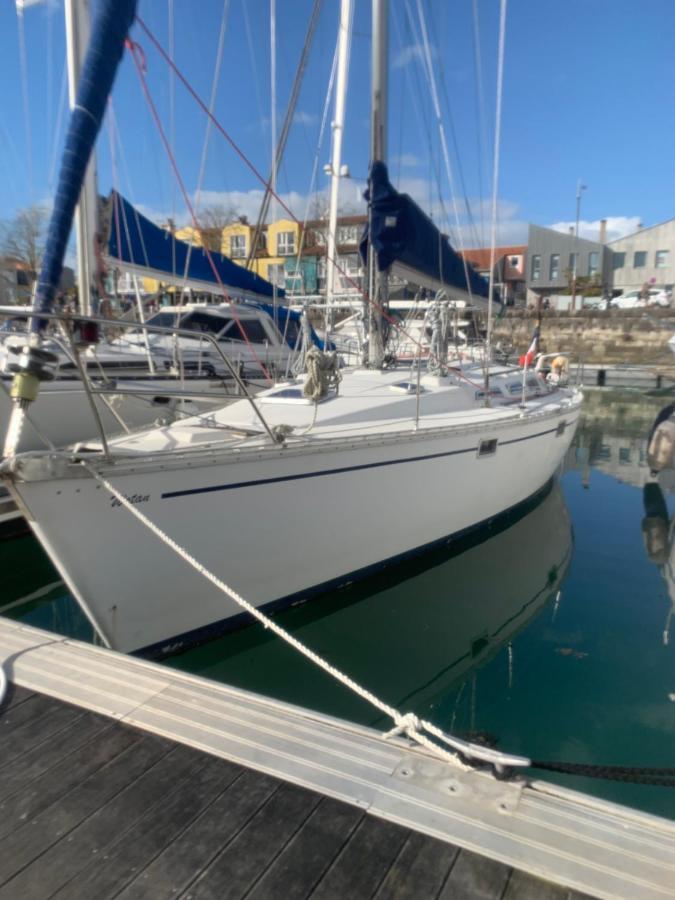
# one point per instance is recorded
(379, 81)
(377, 281)
(344, 45)
(113, 21)
(78, 27)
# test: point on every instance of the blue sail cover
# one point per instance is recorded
(136, 241)
(105, 50)
(402, 233)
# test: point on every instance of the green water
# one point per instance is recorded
(547, 635)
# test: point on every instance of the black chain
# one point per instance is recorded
(628, 774)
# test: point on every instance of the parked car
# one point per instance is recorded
(596, 302)
(633, 300)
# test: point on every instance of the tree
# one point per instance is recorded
(23, 237)
(212, 220)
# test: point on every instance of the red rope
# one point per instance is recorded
(139, 60)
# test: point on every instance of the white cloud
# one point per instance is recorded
(617, 226)
(305, 118)
(474, 226)
(410, 53)
(406, 160)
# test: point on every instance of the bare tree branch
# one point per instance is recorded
(23, 237)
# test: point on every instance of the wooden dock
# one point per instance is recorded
(120, 778)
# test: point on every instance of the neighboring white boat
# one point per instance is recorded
(188, 375)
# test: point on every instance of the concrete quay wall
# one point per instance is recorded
(638, 337)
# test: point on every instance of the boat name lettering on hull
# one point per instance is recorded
(130, 498)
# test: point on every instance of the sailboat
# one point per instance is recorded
(308, 486)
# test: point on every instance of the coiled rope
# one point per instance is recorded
(414, 728)
(323, 373)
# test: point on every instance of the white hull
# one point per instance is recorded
(277, 523)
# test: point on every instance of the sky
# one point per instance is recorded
(588, 97)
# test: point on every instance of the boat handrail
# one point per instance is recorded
(71, 318)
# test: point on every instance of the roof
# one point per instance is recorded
(640, 231)
(480, 256)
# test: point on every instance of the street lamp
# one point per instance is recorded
(580, 187)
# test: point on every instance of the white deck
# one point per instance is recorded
(562, 836)
(369, 403)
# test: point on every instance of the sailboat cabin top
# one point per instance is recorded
(226, 322)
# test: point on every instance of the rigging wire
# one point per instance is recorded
(495, 179)
(317, 155)
(424, 125)
(273, 137)
(455, 143)
(280, 145)
(198, 100)
(481, 129)
(23, 62)
(50, 64)
(254, 65)
(172, 127)
(207, 135)
(138, 59)
(444, 143)
(58, 127)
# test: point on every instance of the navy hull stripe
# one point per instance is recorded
(170, 495)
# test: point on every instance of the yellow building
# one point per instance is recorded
(283, 240)
(280, 240)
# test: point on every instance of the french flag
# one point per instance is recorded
(527, 359)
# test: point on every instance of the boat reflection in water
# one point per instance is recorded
(659, 537)
(411, 633)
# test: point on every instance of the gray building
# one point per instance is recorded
(647, 256)
(550, 262)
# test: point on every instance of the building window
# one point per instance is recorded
(237, 246)
(536, 268)
(276, 275)
(554, 268)
(286, 243)
(593, 263)
(348, 234)
(639, 259)
(661, 260)
(574, 262)
(618, 260)
(514, 261)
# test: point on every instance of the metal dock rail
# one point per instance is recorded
(122, 778)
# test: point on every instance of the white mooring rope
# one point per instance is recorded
(408, 723)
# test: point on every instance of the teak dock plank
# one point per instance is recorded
(149, 818)
(155, 784)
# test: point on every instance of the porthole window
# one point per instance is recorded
(488, 447)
